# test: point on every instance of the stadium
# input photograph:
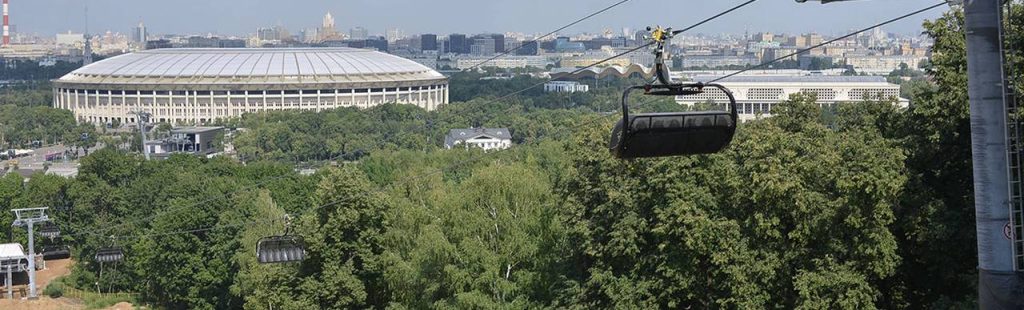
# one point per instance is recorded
(197, 86)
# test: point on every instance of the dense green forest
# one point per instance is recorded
(30, 70)
(866, 206)
(26, 116)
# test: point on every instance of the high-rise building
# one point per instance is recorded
(482, 45)
(529, 48)
(797, 41)
(813, 39)
(640, 36)
(326, 31)
(266, 34)
(763, 37)
(328, 21)
(282, 33)
(393, 34)
(310, 35)
(499, 42)
(428, 42)
(564, 45)
(458, 44)
(359, 33)
(379, 43)
(139, 33)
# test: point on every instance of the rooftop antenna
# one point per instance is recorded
(87, 51)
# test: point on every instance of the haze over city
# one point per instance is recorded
(239, 17)
(511, 154)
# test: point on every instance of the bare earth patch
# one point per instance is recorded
(54, 269)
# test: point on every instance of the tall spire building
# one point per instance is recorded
(328, 21)
(139, 33)
(327, 31)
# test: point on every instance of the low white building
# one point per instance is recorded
(714, 61)
(565, 87)
(882, 64)
(70, 38)
(484, 138)
(758, 95)
(505, 62)
(193, 140)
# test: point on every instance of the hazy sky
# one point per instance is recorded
(465, 16)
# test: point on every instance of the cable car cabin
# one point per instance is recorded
(49, 230)
(674, 133)
(280, 249)
(56, 252)
(109, 255)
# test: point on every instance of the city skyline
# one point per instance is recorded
(218, 17)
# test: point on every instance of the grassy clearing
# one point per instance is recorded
(92, 300)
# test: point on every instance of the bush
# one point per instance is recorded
(54, 290)
(96, 301)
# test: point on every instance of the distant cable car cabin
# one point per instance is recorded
(49, 230)
(109, 255)
(281, 249)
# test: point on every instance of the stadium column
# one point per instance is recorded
(351, 97)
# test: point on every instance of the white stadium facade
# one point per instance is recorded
(758, 95)
(197, 86)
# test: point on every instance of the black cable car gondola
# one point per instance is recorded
(675, 133)
(56, 252)
(281, 249)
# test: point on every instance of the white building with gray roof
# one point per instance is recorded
(484, 138)
(758, 95)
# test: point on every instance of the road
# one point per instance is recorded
(38, 157)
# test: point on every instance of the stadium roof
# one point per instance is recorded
(251, 65)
